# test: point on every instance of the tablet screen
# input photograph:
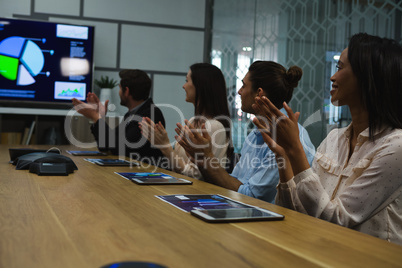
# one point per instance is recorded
(85, 153)
(236, 214)
(152, 178)
(161, 181)
(114, 162)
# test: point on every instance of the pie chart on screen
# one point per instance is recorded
(20, 60)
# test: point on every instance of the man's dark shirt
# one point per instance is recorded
(131, 143)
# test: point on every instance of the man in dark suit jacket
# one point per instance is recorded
(126, 139)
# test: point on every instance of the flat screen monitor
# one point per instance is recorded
(44, 64)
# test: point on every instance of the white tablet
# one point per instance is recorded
(236, 214)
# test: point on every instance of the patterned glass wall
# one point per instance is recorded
(307, 33)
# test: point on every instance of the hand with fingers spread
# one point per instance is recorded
(92, 98)
(93, 109)
(158, 137)
(265, 130)
(156, 134)
(197, 145)
(279, 131)
(281, 134)
(284, 165)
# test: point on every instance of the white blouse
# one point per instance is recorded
(364, 193)
(219, 148)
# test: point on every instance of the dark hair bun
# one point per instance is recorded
(293, 76)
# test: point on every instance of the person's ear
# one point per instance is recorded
(260, 92)
(126, 92)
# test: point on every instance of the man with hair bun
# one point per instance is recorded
(256, 173)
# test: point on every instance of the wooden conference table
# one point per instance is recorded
(94, 217)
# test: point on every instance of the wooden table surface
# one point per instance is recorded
(94, 217)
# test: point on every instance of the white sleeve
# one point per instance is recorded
(373, 182)
(219, 140)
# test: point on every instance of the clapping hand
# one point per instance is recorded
(281, 134)
(155, 133)
(101, 108)
(197, 145)
(279, 131)
(93, 109)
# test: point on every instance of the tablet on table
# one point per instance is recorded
(236, 214)
(85, 153)
(114, 162)
(148, 178)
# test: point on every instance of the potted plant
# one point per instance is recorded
(106, 85)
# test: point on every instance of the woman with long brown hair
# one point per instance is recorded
(205, 88)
